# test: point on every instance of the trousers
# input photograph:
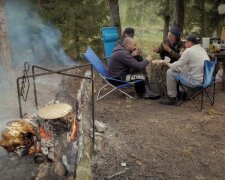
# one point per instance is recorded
(172, 83)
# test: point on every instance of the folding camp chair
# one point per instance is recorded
(206, 89)
(115, 84)
(109, 38)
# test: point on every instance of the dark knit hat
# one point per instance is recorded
(193, 38)
(175, 31)
(129, 31)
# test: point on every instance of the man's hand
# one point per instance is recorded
(135, 53)
(166, 47)
(139, 51)
(154, 49)
(164, 63)
(161, 62)
(149, 58)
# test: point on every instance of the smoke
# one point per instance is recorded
(31, 39)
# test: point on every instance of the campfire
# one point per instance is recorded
(48, 143)
(44, 135)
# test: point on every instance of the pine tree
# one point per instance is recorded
(80, 22)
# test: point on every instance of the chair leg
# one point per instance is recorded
(203, 92)
(202, 99)
(191, 97)
(211, 98)
(184, 92)
(214, 92)
(113, 89)
(127, 94)
(199, 109)
(98, 98)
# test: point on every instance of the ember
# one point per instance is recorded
(74, 129)
(43, 134)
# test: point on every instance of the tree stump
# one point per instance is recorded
(157, 78)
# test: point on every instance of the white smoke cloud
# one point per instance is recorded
(31, 39)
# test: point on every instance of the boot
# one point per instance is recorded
(148, 94)
(169, 101)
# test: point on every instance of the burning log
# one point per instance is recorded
(18, 134)
(55, 122)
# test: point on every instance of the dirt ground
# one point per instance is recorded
(147, 140)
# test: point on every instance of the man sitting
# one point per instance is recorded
(122, 65)
(190, 66)
(129, 32)
(172, 46)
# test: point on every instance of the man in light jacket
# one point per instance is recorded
(190, 66)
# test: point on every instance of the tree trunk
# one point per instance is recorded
(5, 56)
(178, 14)
(202, 17)
(166, 19)
(115, 14)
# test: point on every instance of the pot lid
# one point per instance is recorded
(54, 111)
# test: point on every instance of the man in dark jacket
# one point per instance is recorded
(172, 46)
(129, 32)
(122, 65)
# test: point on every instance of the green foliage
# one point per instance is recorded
(143, 17)
(79, 21)
(193, 21)
(163, 12)
(147, 19)
(138, 13)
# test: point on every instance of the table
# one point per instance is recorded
(220, 57)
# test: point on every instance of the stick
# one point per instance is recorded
(117, 174)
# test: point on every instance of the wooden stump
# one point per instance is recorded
(157, 78)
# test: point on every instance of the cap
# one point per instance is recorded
(193, 38)
(175, 31)
(129, 31)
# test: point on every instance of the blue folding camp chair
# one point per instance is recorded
(115, 84)
(109, 38)
(208, 83)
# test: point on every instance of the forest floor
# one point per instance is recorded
(147, 140)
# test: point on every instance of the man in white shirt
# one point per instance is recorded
(190, 67)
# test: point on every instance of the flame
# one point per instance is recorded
(74, 131)
(44, 134)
